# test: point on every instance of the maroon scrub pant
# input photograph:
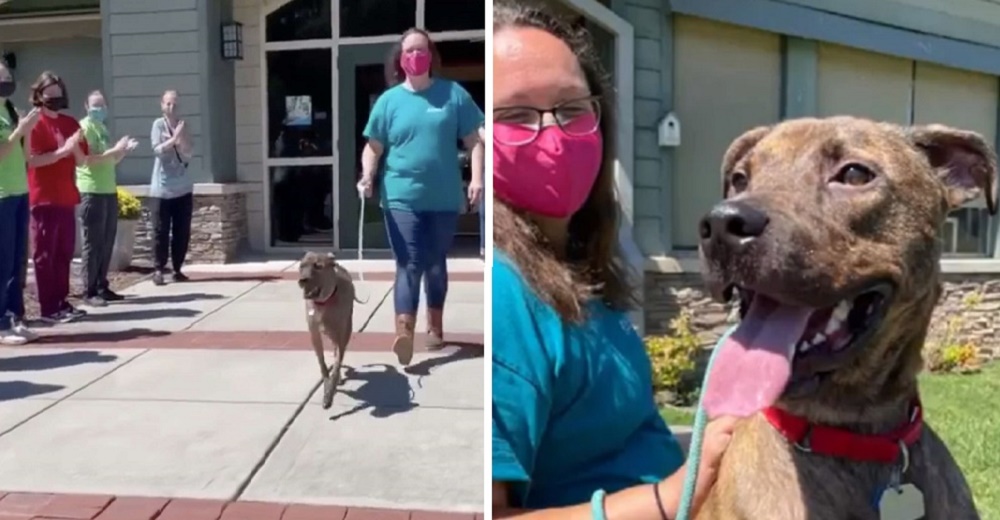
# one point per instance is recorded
(53, 231)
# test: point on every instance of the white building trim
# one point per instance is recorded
(55, 18)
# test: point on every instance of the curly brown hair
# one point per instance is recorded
(592, 265)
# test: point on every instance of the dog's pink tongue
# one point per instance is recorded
(751, 371)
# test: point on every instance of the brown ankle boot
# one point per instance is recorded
(435, 329)
(403, 345)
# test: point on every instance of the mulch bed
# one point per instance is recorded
(119, 281)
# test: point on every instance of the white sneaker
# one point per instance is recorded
(22, 330)
(9, 338)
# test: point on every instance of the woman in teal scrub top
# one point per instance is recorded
(412, 133)
(573, 409)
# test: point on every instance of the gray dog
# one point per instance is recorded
(329, 293)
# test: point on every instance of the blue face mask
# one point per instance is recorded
(97, 114)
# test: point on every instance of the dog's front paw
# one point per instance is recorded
(330, 385)
(328, 391)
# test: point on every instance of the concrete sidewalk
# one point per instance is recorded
(207, 390)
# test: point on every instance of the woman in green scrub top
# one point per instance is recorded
(13, 213)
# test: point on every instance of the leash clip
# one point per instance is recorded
(805, 445)
(896, 479)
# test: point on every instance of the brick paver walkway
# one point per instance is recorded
(135, 334)
(46, 506)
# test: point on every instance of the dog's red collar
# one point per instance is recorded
(328, 299)
(835, 442)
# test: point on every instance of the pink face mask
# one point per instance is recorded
(415, 63)
(551, 176)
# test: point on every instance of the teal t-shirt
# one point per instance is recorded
(421, 133)
(573, 407)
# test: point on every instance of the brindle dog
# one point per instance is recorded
(829, 235)
(328, 289)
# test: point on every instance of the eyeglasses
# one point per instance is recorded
(577, 117)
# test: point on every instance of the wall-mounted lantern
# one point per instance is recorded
(232, 41)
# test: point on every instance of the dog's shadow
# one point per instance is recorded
(385, 392)
(388, 392)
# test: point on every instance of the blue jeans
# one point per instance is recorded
(420, 241)
(13, 241)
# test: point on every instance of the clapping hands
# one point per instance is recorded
(71, 144)
(127, 144)
(27, 123)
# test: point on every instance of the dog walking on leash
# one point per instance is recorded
(329, 291)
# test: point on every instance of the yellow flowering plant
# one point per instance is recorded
(129, 206)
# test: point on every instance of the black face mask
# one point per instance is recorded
(7, 89)
(54, 104)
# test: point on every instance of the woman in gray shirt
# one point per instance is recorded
(172, 190)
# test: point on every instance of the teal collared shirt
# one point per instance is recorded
(573, 407)
(420, 133)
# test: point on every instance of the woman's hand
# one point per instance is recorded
(718, 433)
(475, 192)
(70, 146)
(365, 187)
(124, 145)
(121, 145)
(26, 124)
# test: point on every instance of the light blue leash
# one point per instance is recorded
(697, 437)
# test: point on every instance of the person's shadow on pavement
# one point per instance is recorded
(462, 352)
(14, 390)
(385, 392)
(36, 362)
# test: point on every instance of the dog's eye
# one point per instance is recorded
(739, 181)
(854, 175)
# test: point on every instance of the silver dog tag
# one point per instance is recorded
(905, 502)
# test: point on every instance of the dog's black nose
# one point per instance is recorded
(733, 223)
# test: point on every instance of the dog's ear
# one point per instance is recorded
(331, 256)
(738, 150)
(963, 161)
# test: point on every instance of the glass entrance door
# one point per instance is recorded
(323, 68)
(298, 122)
(361, 80)
(463, 61)
(300, 147)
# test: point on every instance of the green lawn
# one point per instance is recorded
(965, 412)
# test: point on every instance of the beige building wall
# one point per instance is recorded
(959, 98)
(855, 82)
(148, 48)
(727, 80)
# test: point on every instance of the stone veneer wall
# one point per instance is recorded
(218, 229)
(667, 293)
